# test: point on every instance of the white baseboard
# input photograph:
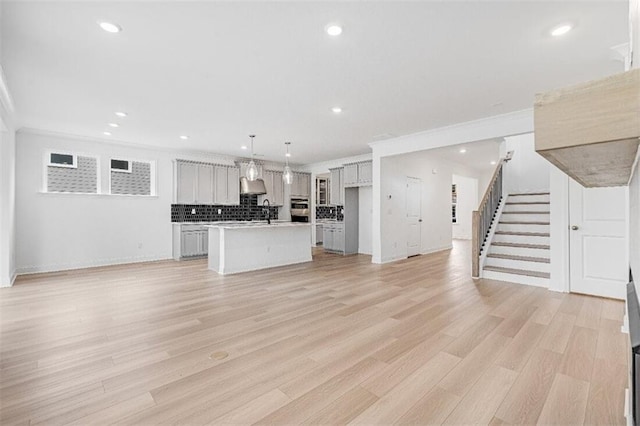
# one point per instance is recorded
(435, 250)
(92, 264)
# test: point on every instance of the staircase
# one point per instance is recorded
(519, 250)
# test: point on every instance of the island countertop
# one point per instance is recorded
(252, 225)
(250, 246)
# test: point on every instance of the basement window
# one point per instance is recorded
(71, 173)
(121, 166)
(131, 177)
(62, 160)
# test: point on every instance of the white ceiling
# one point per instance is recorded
(218, 71)
(478, 155)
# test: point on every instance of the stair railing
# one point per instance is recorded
(483, 217)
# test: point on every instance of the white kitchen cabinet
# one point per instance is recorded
(319, 233)
(201, 183)
(190, 241)
(301, 185)
(186, 176)
(365, 173)
(350, 175)
(278, 189)
(227, 185)
(336, 193)
(233, 185)
(358, 174)
(275, 188)
(333, 237)
(204, 184)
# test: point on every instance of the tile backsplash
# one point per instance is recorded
(329, 212)
(247, 210)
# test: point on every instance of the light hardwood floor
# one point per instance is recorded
(334, 341)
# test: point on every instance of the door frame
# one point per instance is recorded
(408, 178)
(560, 206)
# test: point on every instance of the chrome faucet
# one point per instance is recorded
(267, 210)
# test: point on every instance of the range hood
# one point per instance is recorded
(255, 187)
(591, 131)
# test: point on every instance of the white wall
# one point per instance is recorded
(527, 171)
(7, 200)
(365, 215)
(436, 233)
(467, 202)
(7, 185)
(66, 231)
(634, 225)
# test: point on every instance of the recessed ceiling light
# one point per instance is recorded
(121, 114)
(106, 133)
(493, 163)
(337, 110)
(334, 30)
(243, 147)
(114, 125)
(110, 27)
(184, 137)
(463, 150)
(561, 30)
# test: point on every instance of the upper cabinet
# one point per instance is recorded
(358, 174)
(194, 183)
(301, 185)
(336, 193)
(275, 188)
(591, 131)
(322, 191)
(201, 183)
(227, 185)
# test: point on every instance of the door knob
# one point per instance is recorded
(574, 227)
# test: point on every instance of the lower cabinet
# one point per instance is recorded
(319, 232)
(190, 241)
(333, 237)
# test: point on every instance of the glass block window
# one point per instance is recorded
(130, 177)
(70, 173)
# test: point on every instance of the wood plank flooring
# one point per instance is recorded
(334, 341)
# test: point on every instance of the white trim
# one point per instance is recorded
(27, 270)
(559, 240)
(514, 123)
(5, 95)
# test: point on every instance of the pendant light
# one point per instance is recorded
(252, 169)
(287, 174)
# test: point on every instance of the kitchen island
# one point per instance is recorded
(252, 246)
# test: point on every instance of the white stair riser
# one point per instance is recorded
(525, 217)
(518, 264)
(521, 251)
(526, 208)
(521, 239)
(513, 278)
(527, 198)
(520, 227)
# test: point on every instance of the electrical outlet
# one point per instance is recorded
(219, 211)
(193, 211)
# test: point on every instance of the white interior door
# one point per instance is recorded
(414, 215)
(598, 245)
